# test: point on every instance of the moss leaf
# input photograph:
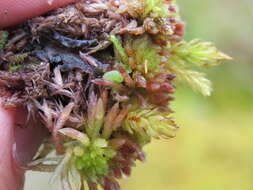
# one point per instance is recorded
(113, 76)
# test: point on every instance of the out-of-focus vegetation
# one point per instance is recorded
(213, 149)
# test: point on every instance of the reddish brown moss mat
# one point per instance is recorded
(98, 75)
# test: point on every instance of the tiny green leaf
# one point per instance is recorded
(99, 118)
(113, 76)
(75, 134)
(102, 143)
(3, 38)
(14, 67)
(74, 177)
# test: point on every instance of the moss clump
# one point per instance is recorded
(99, 75)
(155, 8)
(93, 161)
(145, 57)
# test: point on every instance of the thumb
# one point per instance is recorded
(15, 11)
(17, 147)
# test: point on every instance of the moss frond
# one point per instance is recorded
(196, 80)
(198, 53)
(120, 52)
(18, 58)
(119, 49)
(194, 53)
(150, 122)
(16, 61)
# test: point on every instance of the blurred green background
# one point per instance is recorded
(213, 149)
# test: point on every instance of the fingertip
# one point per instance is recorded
(18, 144)
(11, 177)
(15, 11)
(27, 138)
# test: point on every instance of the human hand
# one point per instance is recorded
(19, 144)
(15, 11)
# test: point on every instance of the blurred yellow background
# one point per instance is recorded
(213, 149)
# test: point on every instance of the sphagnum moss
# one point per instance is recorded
(99, 76)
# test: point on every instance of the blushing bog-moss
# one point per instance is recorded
(100, 75)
